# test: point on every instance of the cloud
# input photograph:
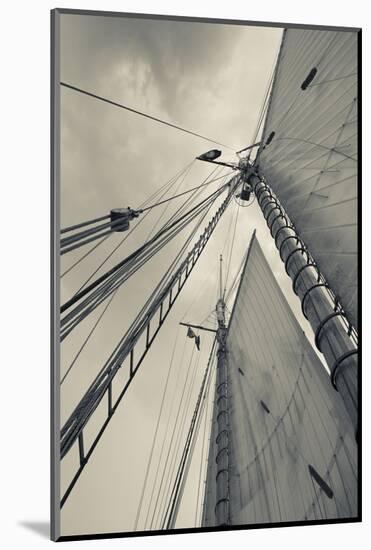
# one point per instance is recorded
(211, 79)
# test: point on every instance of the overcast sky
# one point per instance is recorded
(211, 79)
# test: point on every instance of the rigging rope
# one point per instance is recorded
(178, 440)
(99, 296)
(230, 251)
(167, 204)
(121, 106)
(170, 416)
(179, 479)
(149, 463)
(88, 337)
(159, 490)
(203, 454)
(84, 256)
(82, 413)
(83, 224)
(162, 192)
(97, 388)
(141, 250)
(185, 192)
(76, 245)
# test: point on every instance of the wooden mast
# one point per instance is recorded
(222, 416)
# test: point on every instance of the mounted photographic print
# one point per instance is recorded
(205, 272)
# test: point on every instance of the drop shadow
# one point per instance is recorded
(41, 528)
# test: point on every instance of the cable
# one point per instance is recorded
(177, 446)
(159, 462)
(116, 280)
(114, 269)
(92, 231)
(139, 509)
(230, 252)
(188, 372)
(164, 210)
(264, 105)
(176, 492)
(316, 145)
(84, 256)
(88, 337)
(162, 192)
(185, 192)
(83, 224)
(107, 288)
(110, 254)
(87, 241)
(202, 454)
(121, 106)
(97, 388)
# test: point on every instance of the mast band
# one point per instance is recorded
(325, 285)
(263, 188)
(337, 364)
(301, 249)
(309, 264)
(221, 471)
(272, 201)
(270, 213)
(222, 412)
(223, 450)
(317, 335)
(298, 239)
(220, 434)
(274, 221)
(286, 226)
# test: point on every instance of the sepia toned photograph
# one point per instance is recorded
(205, 183)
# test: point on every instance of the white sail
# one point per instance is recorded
(311, 161)
(292, 450)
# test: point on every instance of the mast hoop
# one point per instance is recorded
(317, 285)
(298, 239)
(272, 201)
(301, 249)
(317, 335)
(220, 501)
(338, 363)
(220, 434)
(286, 226)
(223, 396)
(260, 191)
(221, 471)
(223, 450)
(224, 411)
(273, 210)
(283, 216)
(268, 196)
(310, 264)
(220, 385)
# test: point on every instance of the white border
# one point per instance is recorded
(26, 262)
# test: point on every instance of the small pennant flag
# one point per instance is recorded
(197, 342)
(191, 334)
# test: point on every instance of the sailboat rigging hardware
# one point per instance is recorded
(157, 311)
(119, 221)
(243, 165)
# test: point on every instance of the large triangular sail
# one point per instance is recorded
(308, 151)
(292, 450)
